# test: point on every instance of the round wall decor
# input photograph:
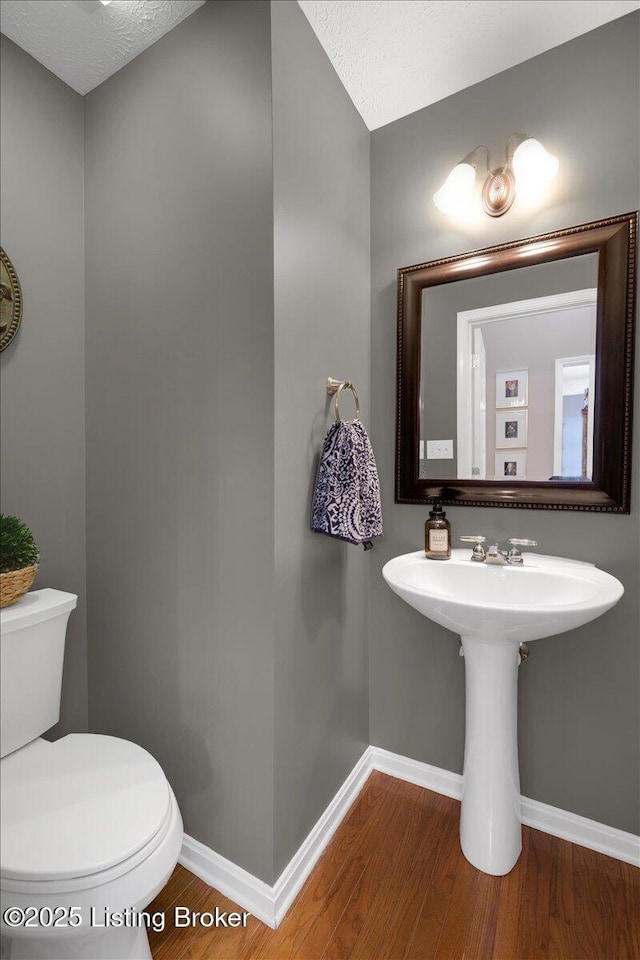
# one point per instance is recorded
(10, 301)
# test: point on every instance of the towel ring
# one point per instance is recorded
(335, 386)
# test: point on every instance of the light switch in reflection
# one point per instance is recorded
(439, 449)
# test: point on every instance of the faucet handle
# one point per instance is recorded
(478, 553)
(515, 554)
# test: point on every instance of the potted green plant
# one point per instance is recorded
(18, 559)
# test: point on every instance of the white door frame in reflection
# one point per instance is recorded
(564, 364)
(471, 320)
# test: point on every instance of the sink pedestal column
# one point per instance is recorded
(490, 830)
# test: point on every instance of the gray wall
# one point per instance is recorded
(43, 454)
(179, 318)
(322, 275)
(190, 499)
(579, 713)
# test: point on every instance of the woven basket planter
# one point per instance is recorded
(15, 584)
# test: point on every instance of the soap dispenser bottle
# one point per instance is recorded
(437, 534)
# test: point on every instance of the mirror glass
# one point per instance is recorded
(507, 374)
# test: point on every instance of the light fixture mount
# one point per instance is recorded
(527, 168)
(498, 192)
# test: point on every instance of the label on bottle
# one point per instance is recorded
(438, 541)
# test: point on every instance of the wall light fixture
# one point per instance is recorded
(527, 167)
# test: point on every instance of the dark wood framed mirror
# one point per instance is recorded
(515, 368)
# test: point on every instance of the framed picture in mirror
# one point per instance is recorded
(512, 388)
(511, 428)
(511, 463)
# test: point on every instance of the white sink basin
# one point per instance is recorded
(495, 609)
(544, 597)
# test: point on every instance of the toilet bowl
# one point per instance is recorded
(91, 830)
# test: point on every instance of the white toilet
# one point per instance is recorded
(91, 830)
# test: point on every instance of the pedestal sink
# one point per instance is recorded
(495, 609)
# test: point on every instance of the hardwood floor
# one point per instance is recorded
(393, 885)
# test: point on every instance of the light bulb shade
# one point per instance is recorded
(454, 195)
(533, 166)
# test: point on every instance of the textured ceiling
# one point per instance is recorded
(84, 42)
(393, 56)
(396, 56)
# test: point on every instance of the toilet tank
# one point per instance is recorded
(32, 634)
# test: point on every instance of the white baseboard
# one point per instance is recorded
(582, 831)
(270, 904)
(414, 771)
(559, 823)
(292, 879)
(239, 885)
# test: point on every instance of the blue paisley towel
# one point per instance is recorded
(346, 503)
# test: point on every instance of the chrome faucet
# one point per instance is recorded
(495, 553)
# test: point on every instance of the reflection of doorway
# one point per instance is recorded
(479, 400)
(573, 420)
(475, 409)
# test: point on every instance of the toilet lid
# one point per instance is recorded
(78, 806)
